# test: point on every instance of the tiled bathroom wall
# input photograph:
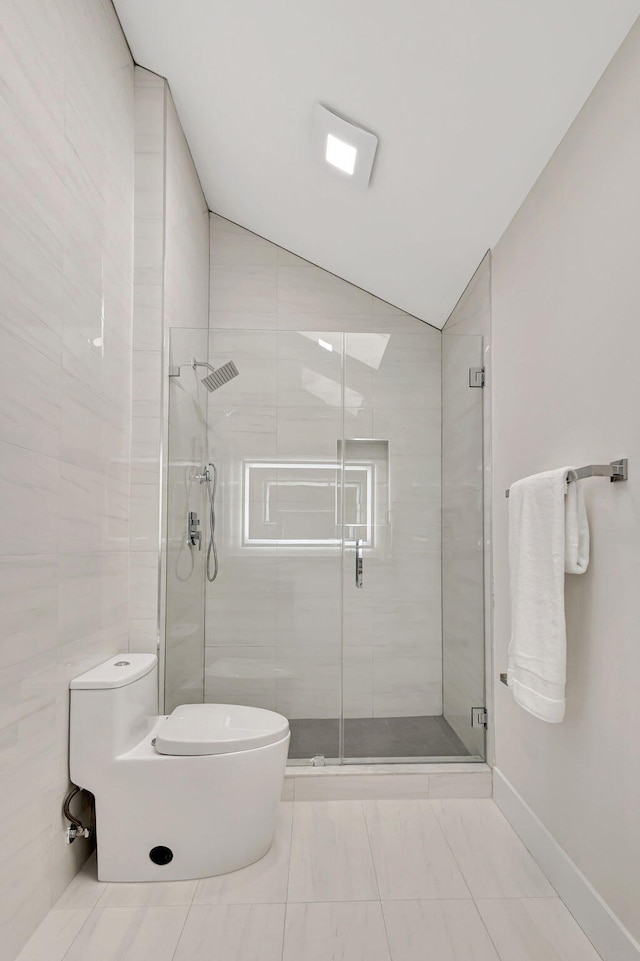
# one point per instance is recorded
(300, 338)
(170, 327)
(148, 343)
(66, 288)
(81, 444)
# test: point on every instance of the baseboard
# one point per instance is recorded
(606, 932)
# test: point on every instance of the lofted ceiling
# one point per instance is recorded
(469, 99)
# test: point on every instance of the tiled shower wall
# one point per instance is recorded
(274, 616)
(170, 326)
(66, 286)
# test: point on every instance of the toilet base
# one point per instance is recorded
(168, 818)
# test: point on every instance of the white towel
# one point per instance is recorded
(548, 535)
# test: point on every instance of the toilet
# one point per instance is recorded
(188, 795)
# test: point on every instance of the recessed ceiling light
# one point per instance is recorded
(342, 155)
(342, 147)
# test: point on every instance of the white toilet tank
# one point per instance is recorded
(113, 706)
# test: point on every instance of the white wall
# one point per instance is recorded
(566, 346)
(66, 261)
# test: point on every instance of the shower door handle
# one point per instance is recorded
(193, 534)
(359, 563)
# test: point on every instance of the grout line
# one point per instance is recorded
(375, 872)
(293, 815)
(518, 897)
(102, 894)
(137, 907)
(369, 901)
(373, 860)
(495, 946)
(386, 931)
(539, 897)
(374, 901)
(79, 932)
(286, 894)
(446, 840)
(184, 924)
(284, 930)
(504, 897)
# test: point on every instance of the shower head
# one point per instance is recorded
(220, 376)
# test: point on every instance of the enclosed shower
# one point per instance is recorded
(338, 578)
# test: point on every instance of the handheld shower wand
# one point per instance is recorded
(217, 378)
(210, 476)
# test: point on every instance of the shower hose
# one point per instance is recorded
(212, 549)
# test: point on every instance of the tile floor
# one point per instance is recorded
(397, 880)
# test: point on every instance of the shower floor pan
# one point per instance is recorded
(375, 738)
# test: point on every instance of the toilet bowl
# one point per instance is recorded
(188, 795)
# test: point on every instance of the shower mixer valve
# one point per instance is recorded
(193, 534)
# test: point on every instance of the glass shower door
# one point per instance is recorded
(407, 683)
(393, 628)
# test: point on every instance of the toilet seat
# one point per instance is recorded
(193, 729)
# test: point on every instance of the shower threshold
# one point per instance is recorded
(376, 740)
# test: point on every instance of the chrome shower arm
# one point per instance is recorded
(200, 363)
(174, 370)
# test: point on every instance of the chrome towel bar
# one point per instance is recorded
(617, 470)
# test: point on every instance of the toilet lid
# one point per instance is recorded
(218, 729)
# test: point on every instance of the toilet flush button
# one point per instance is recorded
(122, 663)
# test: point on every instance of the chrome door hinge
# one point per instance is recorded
(476, 377)
(479, 717)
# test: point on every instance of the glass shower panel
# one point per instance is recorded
(393, 622)
(273, 626)
(463, 539)
(186, 456)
